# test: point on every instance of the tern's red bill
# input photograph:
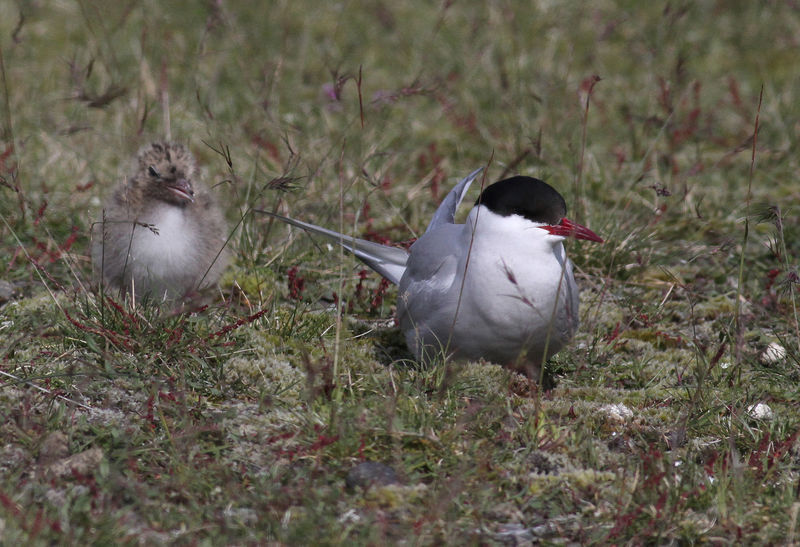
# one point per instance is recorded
(567, 228)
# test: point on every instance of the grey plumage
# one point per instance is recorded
(162, 235)
(498, 287)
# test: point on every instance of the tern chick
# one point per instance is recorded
(162, 236)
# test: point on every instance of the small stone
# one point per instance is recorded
(56, 496)
(542, 464)
(775, 353)
(6, 291)
(83, 462)
(54, 447)
(760, 411)
(368, 474)
(515, 534)
(618, 412)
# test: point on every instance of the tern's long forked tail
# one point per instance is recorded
(390, 262)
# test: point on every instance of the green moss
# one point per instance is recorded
(396, 496)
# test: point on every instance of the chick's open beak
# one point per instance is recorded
(182, 188)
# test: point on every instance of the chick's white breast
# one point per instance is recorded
(172, 249)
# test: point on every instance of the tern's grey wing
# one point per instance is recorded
(446, 212)
(428, 295)
(434, 258)
(390, 262)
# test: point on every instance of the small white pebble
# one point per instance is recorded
(351, 515)
(617, 412)
(775, 353)
(760, 411)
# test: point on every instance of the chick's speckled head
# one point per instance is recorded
(165, 171)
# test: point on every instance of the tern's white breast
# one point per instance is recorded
(518, 294)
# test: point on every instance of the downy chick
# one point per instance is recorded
(163, 235)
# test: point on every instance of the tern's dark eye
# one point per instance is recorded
(152, 172)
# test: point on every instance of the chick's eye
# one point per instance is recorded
(152, 172)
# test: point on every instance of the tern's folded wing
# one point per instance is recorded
(446, 212)
(434, 259)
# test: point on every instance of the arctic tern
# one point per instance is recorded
(498, 287)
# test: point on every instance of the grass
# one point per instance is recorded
(239, 422)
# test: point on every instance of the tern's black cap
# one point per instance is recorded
(528, 197)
